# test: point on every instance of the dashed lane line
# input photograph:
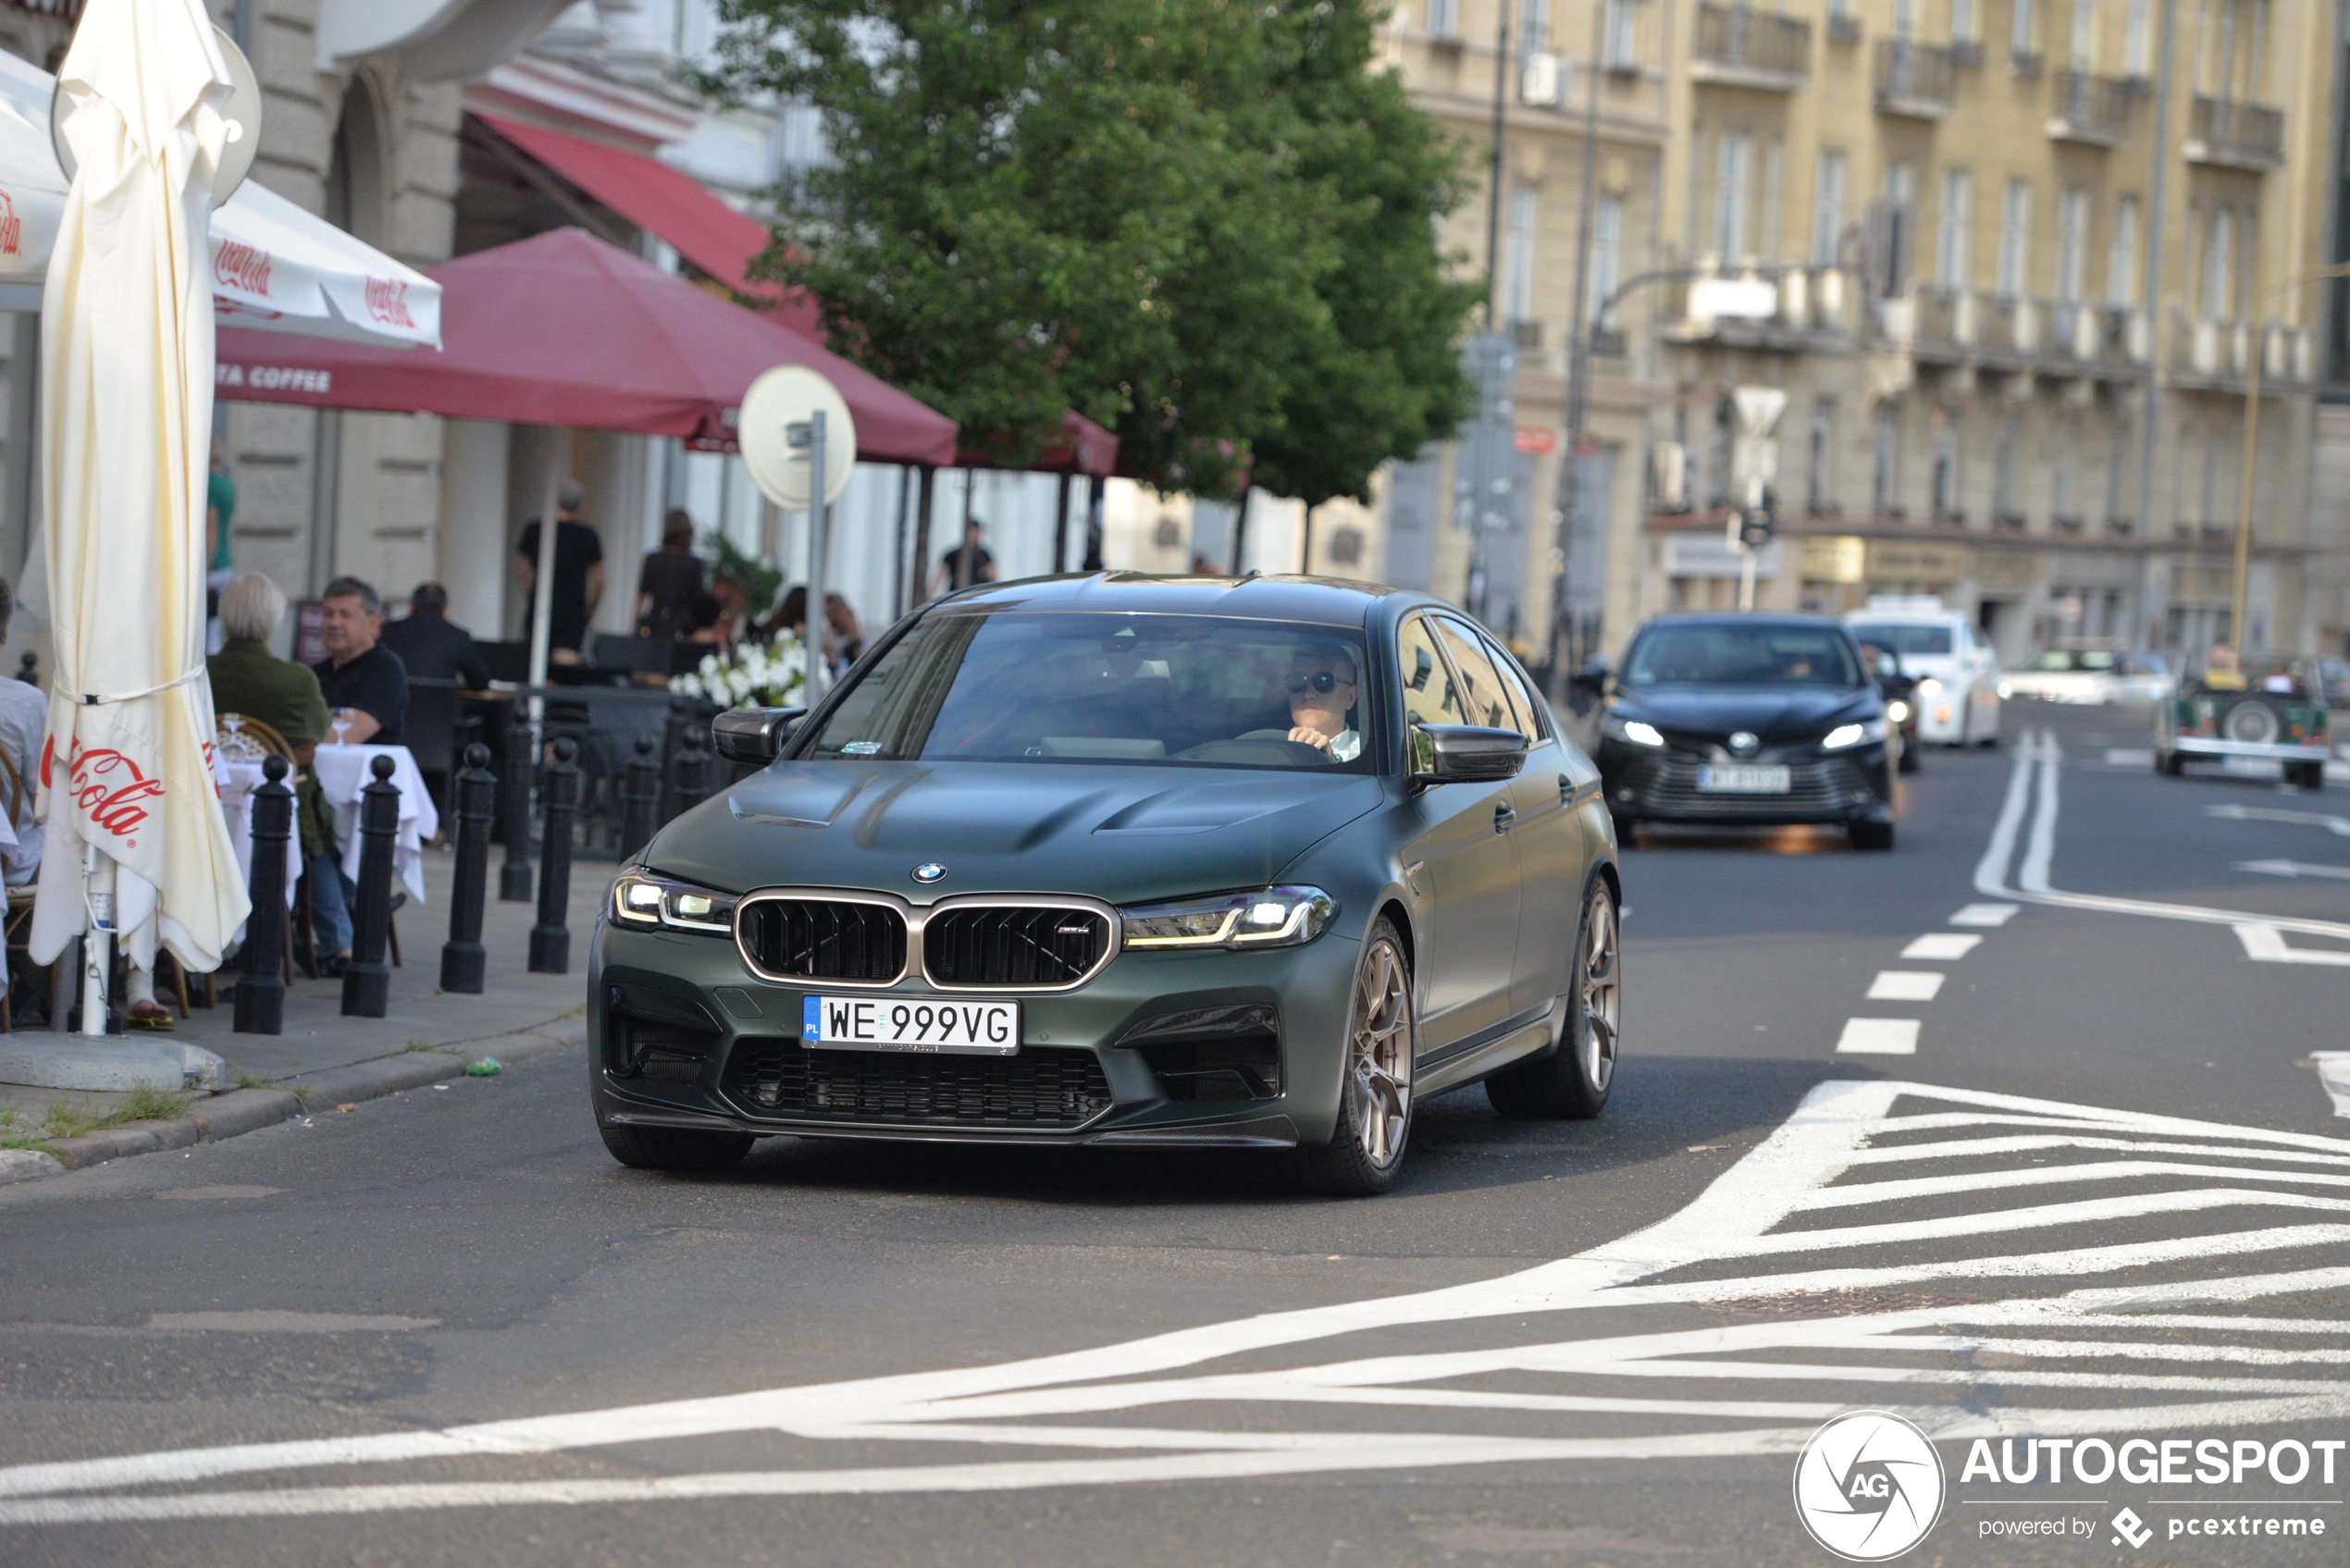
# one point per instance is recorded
(1906, 985)
(1943, 945)
(1878, 1037)
(2334, 1071)
(1986, 914)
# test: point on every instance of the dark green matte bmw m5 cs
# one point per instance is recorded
(1240, 863)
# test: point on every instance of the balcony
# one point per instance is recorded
(1966, 329)
(1843, 28)
(1915, 80)
(2093, 110)
(2232, 135)
(1795, 310)
(2217, 356)
(1737, 46)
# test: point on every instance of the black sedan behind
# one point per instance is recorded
(1762, 719)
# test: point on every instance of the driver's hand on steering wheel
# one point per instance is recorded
(1305, 735)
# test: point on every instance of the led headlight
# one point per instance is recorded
(649, 902)
(1631, 730)
(1929, 686)
(1845, 735)
(1897, 710)
(1274, 916)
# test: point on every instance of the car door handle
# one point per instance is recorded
(1504, 815)
(1566, 790)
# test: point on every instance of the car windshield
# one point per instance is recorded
(1095, 686)
(2062, 660)
(1910, 639)
(1741, 655)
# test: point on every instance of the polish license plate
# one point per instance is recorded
(1743, 778)
(895, 1023)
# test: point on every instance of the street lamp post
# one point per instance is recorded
(2252, 442)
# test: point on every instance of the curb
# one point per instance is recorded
(249, 1110)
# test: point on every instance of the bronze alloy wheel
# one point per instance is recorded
(1374, 1122)
(1574, 1079)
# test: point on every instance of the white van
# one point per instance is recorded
(1958, 675)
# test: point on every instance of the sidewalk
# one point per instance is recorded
(323, 1051)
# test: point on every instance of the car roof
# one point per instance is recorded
(1739, 618)
(1899, 617)
(1325, 601)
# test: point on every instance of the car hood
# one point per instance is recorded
(1946, 667)
(1772, 712)
(1121, 834)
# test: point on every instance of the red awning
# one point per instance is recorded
(564, 328)
(666, 201)
(1084, 448)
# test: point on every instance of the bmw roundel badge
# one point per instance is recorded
(929, 871)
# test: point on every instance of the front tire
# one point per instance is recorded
(2306, 775)
(1909, 757)
(1365, 1149)
(672, 1148)
(1868, 833)
(1573, 1081)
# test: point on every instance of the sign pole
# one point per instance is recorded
(817, 475)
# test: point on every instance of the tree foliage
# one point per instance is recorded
(1203, 223)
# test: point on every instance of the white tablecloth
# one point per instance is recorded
(237, 779)
(343, 771)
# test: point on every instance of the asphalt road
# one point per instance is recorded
(2105, 1197)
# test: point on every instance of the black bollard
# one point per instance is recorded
(261, 985)
(462, 959)
(692, 770)
(513, 812)
(639, 798)
(29, 670)
(366, 984)
(549, 941)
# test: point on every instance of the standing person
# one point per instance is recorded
(844, 638)
(24, 728)
(432, 647)
(967, 563)
(579, 576)
(669, 582)
(219, 511)
(360, 674)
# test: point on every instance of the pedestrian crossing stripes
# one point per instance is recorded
(1981, 1263)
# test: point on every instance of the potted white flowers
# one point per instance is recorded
(768, 674)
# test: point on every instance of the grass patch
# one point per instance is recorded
(247, 1080)
(62, 1120)
(151, 1105)
(415, 1047)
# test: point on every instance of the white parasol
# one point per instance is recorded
(136, 841)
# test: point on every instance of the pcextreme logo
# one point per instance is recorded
(1868, 1486)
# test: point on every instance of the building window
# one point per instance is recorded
(1619, 33)
(2004, 507)
(1944, 496)
(2137, 36)
(1950, 242)
(1734, 153)
(1607, 253)
(2219, 255)
(1827, 209)
(1717, 455)
(1905, 17)
(1819, 465)
(1444, 17)
(2118, 498)
(2015, 238)
(1517, 280)
(1885, 479)
(2061, 475)
(1962, 21)
(2072, 246)
(1773, 222)
(2209, 515)
(2024, 30)
(2122, 255)
(2085, 34)
(1537, 29)
(2224, 66)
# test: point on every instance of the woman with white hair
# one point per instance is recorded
(248, 678)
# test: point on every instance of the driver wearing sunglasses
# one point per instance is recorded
(1320, 683)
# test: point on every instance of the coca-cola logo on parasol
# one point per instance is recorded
(388, 301)
(11, 227)
(240, 266)
(108, 788)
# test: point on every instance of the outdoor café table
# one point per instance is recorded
(343, 771)
(237, 779)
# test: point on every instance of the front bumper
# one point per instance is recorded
(1942, 715)
(682, 1035)
(1646, 784)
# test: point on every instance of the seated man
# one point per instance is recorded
(24, 727)
(360, 674)
(249, 679)
(432, 647)
(1321, 686)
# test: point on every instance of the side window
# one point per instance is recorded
(1428, 697)
(1529, 712)
(1482, 695)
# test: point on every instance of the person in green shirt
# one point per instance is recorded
(249, 679)
(220, 509)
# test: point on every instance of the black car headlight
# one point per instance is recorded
(1845, 736)
(1272, 917)
(664, 903)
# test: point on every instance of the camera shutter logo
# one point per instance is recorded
(1868, 1486)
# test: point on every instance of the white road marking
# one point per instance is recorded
(2293, 869)
(2150, 1331)
(1878, 1037)
(2129, 757)
(2264, 943)
(274, 1322)
(2334, 1071)
(2233, 812)
(2038, 760)
(1942, 945)
(1905, 985)
(1985, 914)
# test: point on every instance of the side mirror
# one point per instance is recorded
(753, 734)
(1465, 753)
(1587, 686)
(1896, 686)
